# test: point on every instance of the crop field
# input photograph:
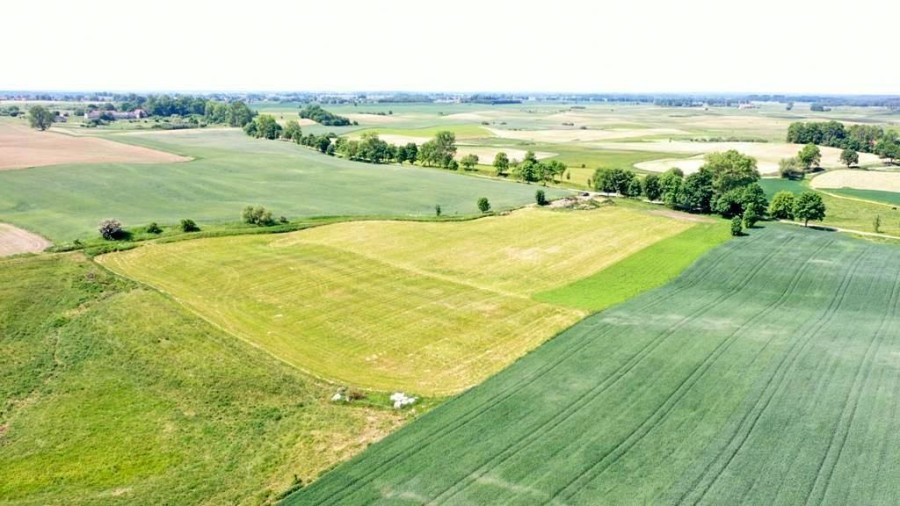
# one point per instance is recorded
(886, 197)
(22, 147)
(432, 308)
(858, 180)
(765, 374)
(111, 394)
(230, 171)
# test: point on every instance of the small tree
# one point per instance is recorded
(876, 224)
(736, 226)
(469, 161)
(110, 229)
(40, 117)
(849, 157)
(790, 168)
(437, 210)
(501, 164)
(650, 187)
(750, 217)
(484, 205)
(188, 225)
(809, 206)
(258, 215)
(810, 156)
(153, 228)
(540, 198)
(782, 206)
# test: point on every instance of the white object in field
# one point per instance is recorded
(400, 399)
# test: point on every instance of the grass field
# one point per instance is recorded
(111, 394)
(886, 197)
(645, 270)
(431, 308)
(765, 374)
(230, 171)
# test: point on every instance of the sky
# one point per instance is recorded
(763, 46)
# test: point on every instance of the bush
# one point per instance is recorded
(736, 226)
(283, 220)
(111, 230)
(258, 216)
(484, 205)
(437, 210)
(540, 198)
(188, 225)
(153, 228)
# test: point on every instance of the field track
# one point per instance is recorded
(766, 374)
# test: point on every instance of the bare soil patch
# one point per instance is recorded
(858, 179)
(22, 147)
(377, 119)
(576, 134)
(14, 240)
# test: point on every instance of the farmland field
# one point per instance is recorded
(230, 171)
(112, 394)
(429, 307)
(765, 374)
(858, 180)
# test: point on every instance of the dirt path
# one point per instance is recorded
(14, 240)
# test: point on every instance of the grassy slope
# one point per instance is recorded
(231, 171)
(113, 394)
(762, 375)
(428, 307)
(645, 270)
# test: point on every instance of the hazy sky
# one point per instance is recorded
(459, 45)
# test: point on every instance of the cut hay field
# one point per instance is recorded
(766, 374)
(431, 308)
(22, 147)
(230, 171)
(113, 394)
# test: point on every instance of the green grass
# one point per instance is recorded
(772, 185)
(231, 171)
(765, 374)
(112, 394)
(892, 198)
(431, 308)
(649, 268)
(461, 130)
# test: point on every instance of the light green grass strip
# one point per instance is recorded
(649, 268)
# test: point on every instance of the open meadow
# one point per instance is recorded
(765, 374)
(431, 308)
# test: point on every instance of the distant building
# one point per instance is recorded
(116, 115)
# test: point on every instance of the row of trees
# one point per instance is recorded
(530, 169)
(864, 138)
(323, 117)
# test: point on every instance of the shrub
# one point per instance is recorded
(437, 210)
(111, 229)
(153, 228)
(736, 226)
(188, 225)
(283, 220)
(540, 198)
(258, 215)
(484, 205)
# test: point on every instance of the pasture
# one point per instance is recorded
(432, 308)
(230, 171)
(762, 375)
(112, 394)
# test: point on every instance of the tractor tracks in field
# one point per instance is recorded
(460, 423)
(768, 392)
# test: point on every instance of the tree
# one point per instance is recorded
(809, 206)
(40, 117)
(790, 168)
(501, 163)
(437, 210)
(697, 191)
(188, 225)
(782, 206)
(876, 224)
(888, 148)
(849, 157)
(670, 187)
(292, 132)
(469, 161)
(540, 198)
(239, 114)
(484, 205)
(323, 142)
(110, 229)
(810, 156)
(635, 189)
(613, 180)
(650, 187)
(265, 127)
(154, 228)
(731, 170)
(750, 217)
(258, 216)
(412, 152)
(736, 225)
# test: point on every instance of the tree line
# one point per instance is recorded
(727, 184)
(323, 117)
(864, 138)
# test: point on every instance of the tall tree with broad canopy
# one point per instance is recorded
(730, 170)
(809, 206)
